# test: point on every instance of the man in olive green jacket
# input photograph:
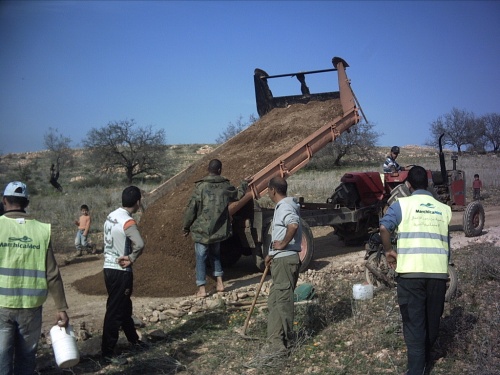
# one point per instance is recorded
(207, 219)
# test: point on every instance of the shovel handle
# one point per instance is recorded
(247, 320)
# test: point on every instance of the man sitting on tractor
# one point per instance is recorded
(390, 164)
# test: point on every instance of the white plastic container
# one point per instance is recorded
(362, 291)
(64, 345)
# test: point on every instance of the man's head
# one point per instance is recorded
(131, 196)
(215, 166)
(15, 196)
(84, 209)
(395, 151)
(417, 177)
(277, 188)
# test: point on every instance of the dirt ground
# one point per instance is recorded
(329, 252)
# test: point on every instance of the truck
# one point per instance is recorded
(251, 223)
(357, 203)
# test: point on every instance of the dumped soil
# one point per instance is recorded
(166, 268)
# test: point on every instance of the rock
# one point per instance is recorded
(157, 335)
(174, 312)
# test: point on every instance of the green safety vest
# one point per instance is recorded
(23, 253)
(423, 235)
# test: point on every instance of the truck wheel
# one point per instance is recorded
(307, 246)
(229, 252)
(306, 252)
(473, 219)
(451, 285)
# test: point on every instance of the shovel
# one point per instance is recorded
(243, 331)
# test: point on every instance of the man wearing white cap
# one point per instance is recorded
(28, 272)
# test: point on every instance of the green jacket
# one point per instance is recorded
(207, 214)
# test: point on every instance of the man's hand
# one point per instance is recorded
(62, 319)
(185, 233)
(279, 245)
(124, 261)
(391, 257)
(267, 261)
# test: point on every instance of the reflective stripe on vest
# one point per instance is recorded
(23, 257)
(423, 235)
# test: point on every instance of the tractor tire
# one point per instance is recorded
(306, 252)
(473, 223)
(452, 284)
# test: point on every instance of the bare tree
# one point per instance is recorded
(234, 129)
(121, 144)
(492, 130)
(357, 142)
(461, 128)
(59, 146)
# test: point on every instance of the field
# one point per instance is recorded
(336, 335)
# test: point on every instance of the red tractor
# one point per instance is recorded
(363, 198)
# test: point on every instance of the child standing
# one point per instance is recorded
(477, 185)
(83, 230)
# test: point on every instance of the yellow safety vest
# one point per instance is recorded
(23, 255)
(423, 235)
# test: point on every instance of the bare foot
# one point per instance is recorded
(202, 293)
(220, 285)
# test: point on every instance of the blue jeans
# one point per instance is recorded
(20, 331)
(212, 251)
(80, 239)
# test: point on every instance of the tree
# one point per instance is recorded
(492, 130)
(460, 127)
(234, 129)
(121, 144)
(359, 141)
(59, 146)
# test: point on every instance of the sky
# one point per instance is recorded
(187, 66)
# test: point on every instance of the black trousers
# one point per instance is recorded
(421, 302)
(119, 285)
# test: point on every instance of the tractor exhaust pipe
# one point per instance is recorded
(442, 162)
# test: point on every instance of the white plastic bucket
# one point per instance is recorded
(64, 345)
(362, 291)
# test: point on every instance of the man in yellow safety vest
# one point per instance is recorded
(421, 262)
(28, 272)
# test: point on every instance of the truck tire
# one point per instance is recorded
(473, 219)
(307, 246)
(230, 252)
(452, 284)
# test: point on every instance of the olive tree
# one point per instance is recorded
(59, 146)
(461, 128)
(122, 145)
(233, 129)
(492, 130)
(357, 142)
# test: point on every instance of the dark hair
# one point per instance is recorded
(18, 201)
(395, 149)
(279, 184)
(215, 166)
(476, 175)
(84, 207)
(417, 177)
(130, 196)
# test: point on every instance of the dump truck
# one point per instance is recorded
(251, 223)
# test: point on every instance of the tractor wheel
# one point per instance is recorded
(452, 284)
(307, 246)
(473, 219)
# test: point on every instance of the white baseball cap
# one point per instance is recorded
(16, 189)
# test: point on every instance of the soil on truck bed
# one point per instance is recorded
(166, 267)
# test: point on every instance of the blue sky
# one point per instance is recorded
(187, 66)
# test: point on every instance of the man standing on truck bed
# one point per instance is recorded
(422, 264)
(390, 163)
(207, 218)
(284, 261)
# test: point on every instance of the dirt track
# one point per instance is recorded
(328, 251)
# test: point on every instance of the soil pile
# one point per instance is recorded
(166, 267)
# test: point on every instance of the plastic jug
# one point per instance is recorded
(64, 346)
(362, 291)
